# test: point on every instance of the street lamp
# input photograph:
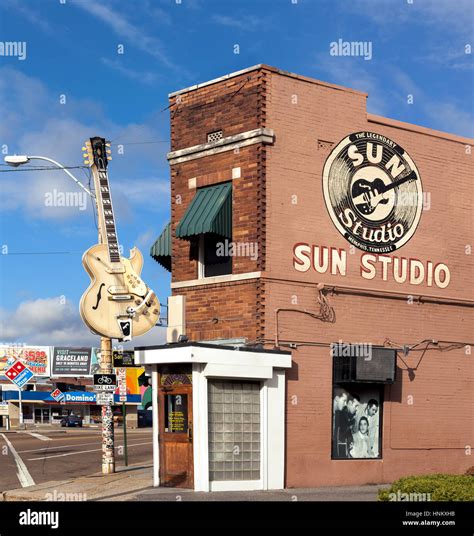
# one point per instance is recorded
(19, 160)
(106, 350)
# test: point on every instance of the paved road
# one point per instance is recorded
(37, 456)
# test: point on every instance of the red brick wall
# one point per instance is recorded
(427, 436)
(233, 106)
(222, 311)
(431, 434)
(295, 165)
(425, 433)
(245, 217)
(236, 105)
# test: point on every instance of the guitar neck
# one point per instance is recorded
(411, 176)
(105, 210)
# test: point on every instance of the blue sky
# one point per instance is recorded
(418, 48)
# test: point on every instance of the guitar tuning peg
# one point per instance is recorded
(84, 148)
(86, 162)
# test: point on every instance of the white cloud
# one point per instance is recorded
(35, 123)
(50, 322)
(246, 23)
(448, 14)
(447, 116)
(144, 77)
(449, 57)
(123, 27)
(146, 239)
(351, 72)
(28, 13)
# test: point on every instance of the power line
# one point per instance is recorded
(40, 253)
(41, 169)
(141, 142)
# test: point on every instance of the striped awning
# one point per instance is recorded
(161, 249)
(209, 212)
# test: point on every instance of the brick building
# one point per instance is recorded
(300, 223)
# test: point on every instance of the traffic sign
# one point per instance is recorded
(122, 383)
(19, 374)
(105, 382)
(104, 399)
(57, 395)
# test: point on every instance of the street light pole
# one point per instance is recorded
(18, 160)
(106, 364)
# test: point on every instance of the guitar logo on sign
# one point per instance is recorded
(117, 304)
(373, 192)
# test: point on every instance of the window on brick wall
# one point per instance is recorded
(213, 256)
(212, 137)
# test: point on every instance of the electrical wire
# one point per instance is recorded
(41, 168)
(140, 142)
(41, 253)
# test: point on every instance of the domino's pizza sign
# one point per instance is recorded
(57, 395)
(19, 374)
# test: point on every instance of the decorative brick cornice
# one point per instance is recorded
(251, 137)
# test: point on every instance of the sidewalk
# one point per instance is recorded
(120, 486)
(134, 483)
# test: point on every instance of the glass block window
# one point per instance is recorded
(212, 137)
(234, 430)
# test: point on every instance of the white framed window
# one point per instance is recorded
(213, 259)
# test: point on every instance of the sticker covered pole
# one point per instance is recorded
(108, 452)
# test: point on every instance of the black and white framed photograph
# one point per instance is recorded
(356, 422)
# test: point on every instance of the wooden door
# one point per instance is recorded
(175, 405)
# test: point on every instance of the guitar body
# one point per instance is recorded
(363, 195)
(114, 288)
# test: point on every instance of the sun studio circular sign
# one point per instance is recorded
(373, 192)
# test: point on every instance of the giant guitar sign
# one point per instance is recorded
(117, 304)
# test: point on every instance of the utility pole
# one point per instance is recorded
(21, 420)
(108, 447)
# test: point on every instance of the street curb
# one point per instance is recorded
(15, 495)
(37, 492)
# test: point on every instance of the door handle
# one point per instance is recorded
(190, 431)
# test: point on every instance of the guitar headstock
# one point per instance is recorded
(97, 152)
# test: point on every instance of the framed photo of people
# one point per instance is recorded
(357, 422)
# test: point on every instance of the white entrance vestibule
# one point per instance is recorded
(238, 413)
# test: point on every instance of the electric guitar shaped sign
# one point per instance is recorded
(117, 304)
(367, 195)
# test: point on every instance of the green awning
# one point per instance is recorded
(161, 249)
(209, 212)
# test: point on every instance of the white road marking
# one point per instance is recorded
(23, 474)
(70, 446)
(83, 452)
(58, 447)
(39, 436)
